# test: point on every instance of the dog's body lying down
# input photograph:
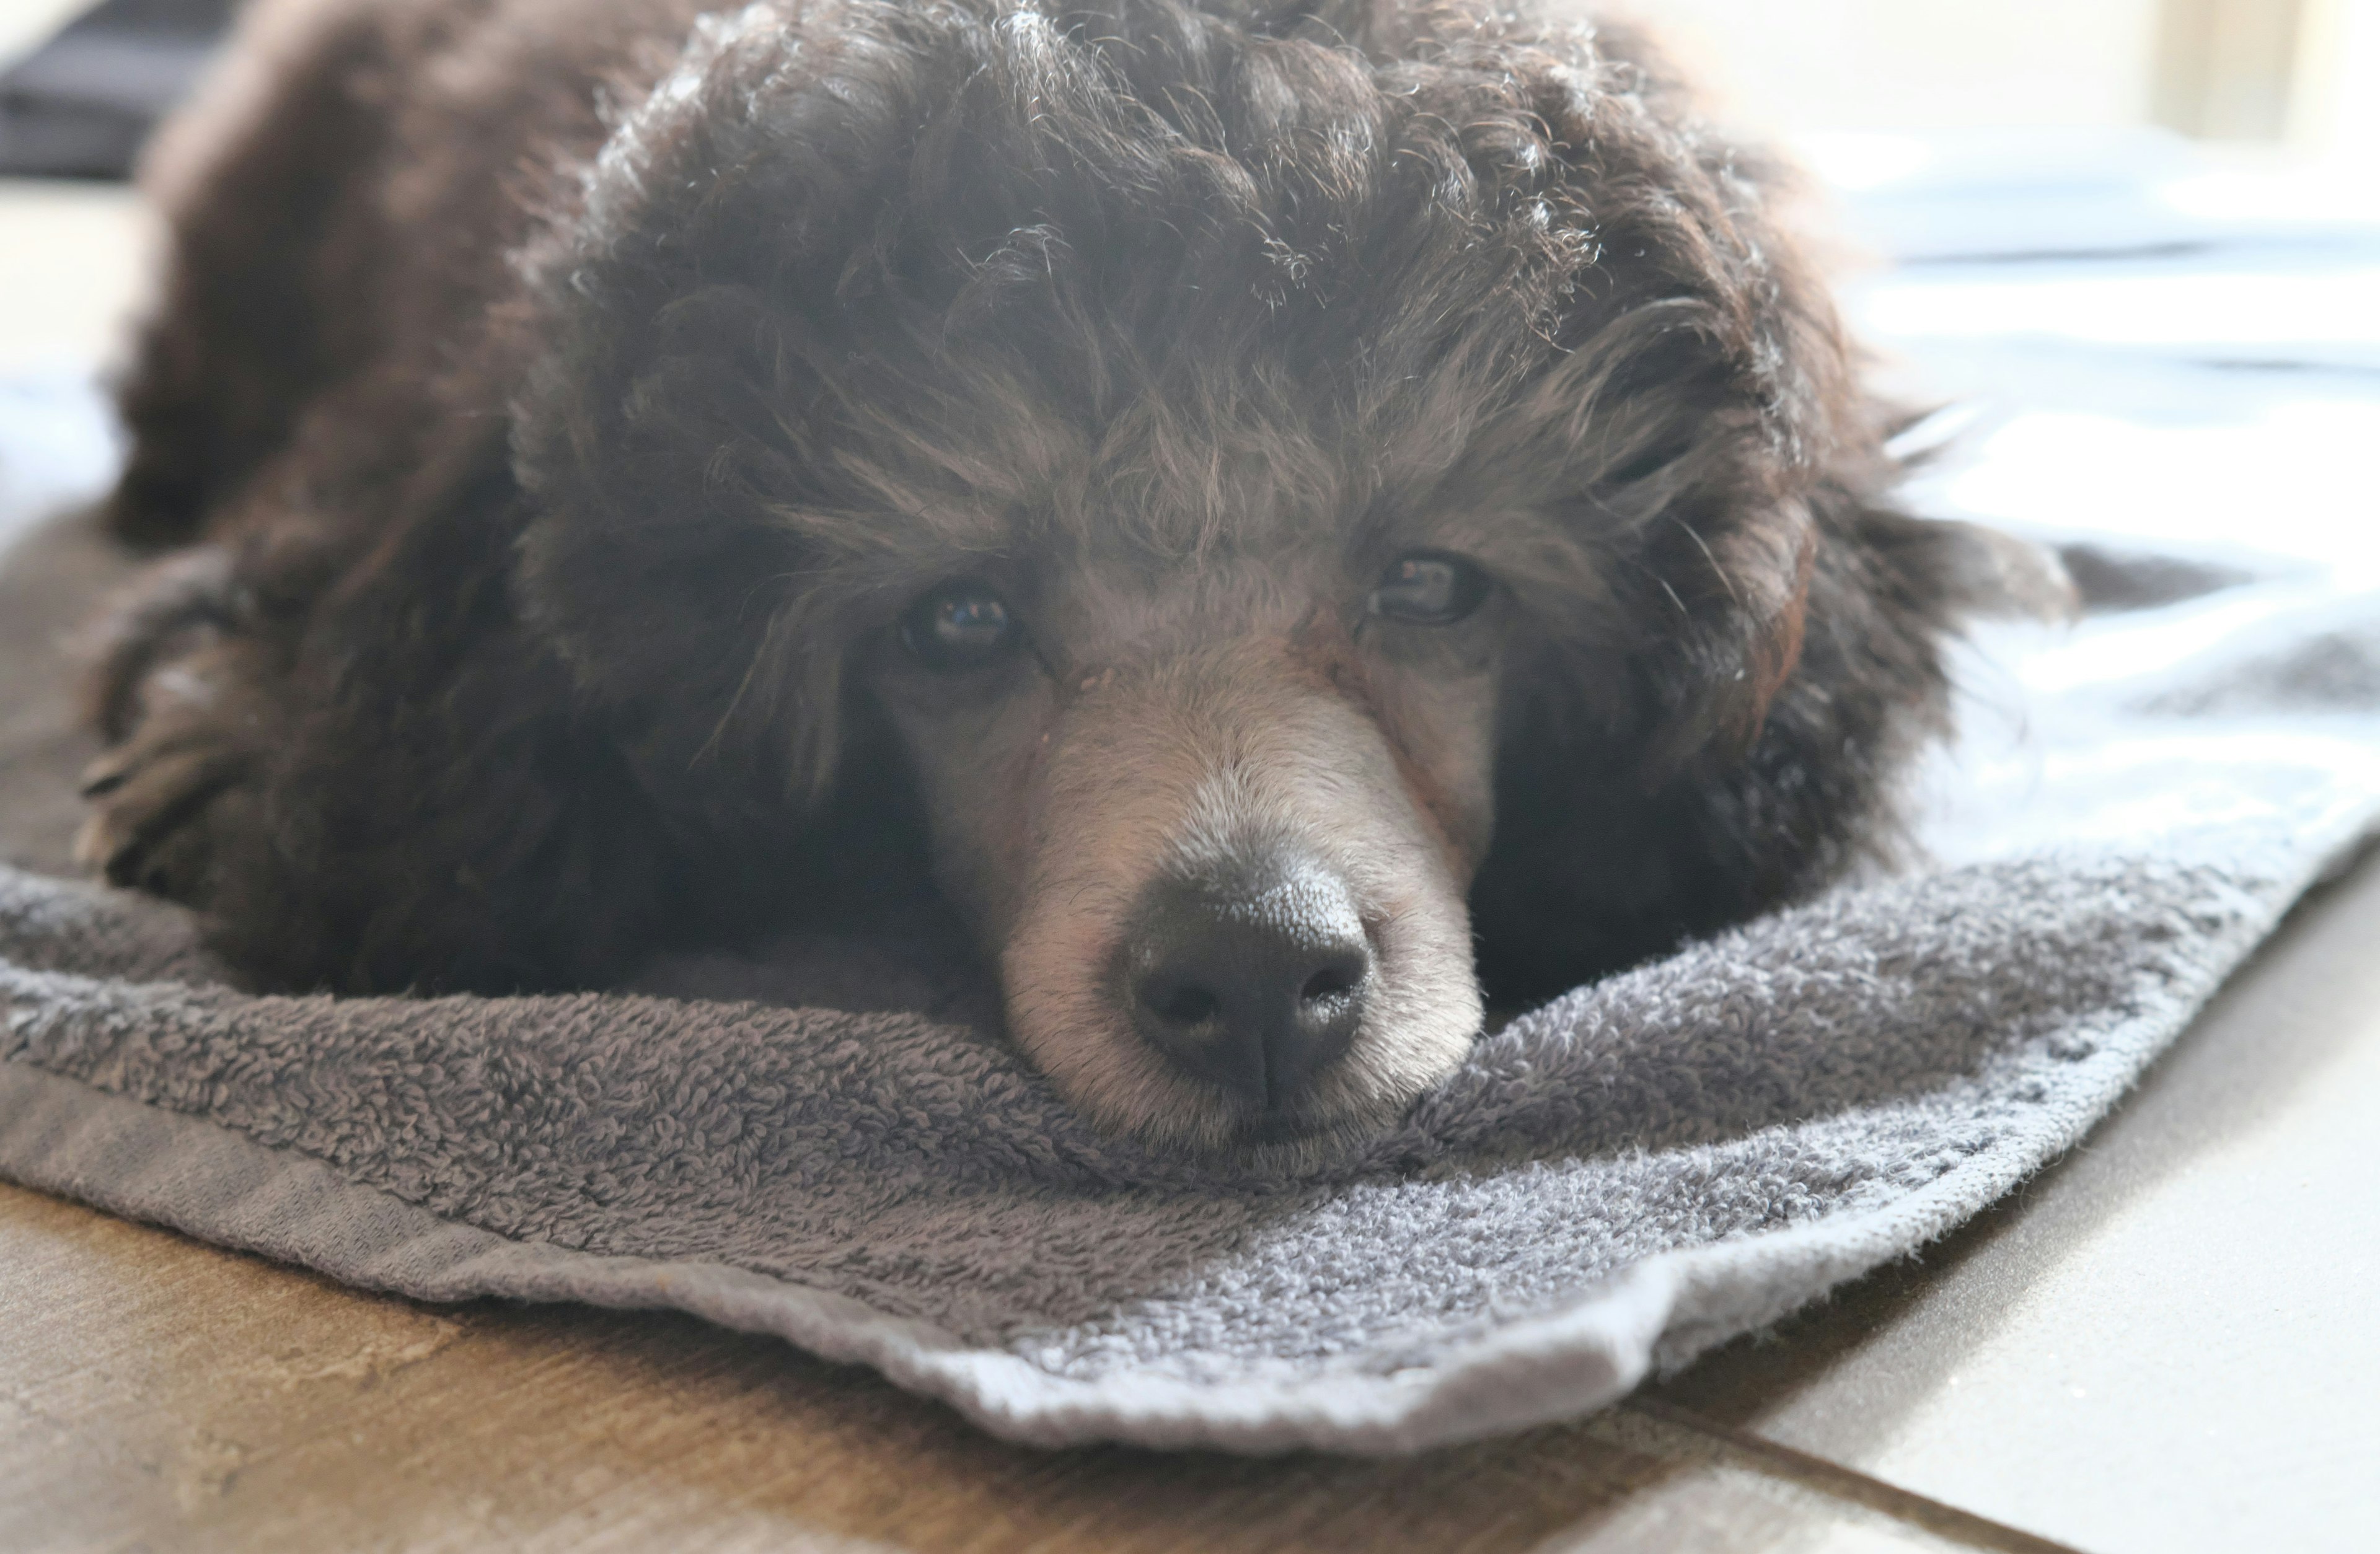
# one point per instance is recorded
(1240, 500)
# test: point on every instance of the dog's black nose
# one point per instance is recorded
(1252, 978)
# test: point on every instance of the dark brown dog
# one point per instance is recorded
(1244, 499)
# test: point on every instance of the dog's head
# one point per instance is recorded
(1228, 451)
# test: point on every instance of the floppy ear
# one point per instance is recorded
(1768, 565)
(1765, 565)
(1616, 842)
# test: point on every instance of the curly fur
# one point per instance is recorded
(571, 392)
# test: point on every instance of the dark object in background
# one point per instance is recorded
(81, 104)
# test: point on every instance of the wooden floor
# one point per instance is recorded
(2164, 1344)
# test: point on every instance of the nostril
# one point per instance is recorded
(1332, 982)
(1184, 1005)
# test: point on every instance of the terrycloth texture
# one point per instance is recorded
(1615, 1182)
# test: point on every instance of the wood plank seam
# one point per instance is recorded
(1942, 1519)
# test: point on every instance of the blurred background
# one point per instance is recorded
(2299, 74)
(2295, 74)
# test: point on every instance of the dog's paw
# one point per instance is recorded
(183, 776)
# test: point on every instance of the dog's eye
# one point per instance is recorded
(959, 626)
(1429, 590)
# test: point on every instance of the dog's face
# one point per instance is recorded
(1229, 463)
(1214, 816)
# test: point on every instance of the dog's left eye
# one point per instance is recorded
(959, 626)
(1429, 590)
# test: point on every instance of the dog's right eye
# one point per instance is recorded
(1430, 588)
(958, 627)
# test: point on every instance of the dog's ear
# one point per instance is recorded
(1757, 761)
(1764, 564)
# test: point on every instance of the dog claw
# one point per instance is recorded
(91, 843)
(149, 829)
(104, 775)
(109, 848)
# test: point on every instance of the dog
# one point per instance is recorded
(1291, 517)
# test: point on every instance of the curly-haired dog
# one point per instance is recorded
(1245, 499)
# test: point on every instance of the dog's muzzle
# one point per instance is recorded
(1252, 977)
(1236, 925)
